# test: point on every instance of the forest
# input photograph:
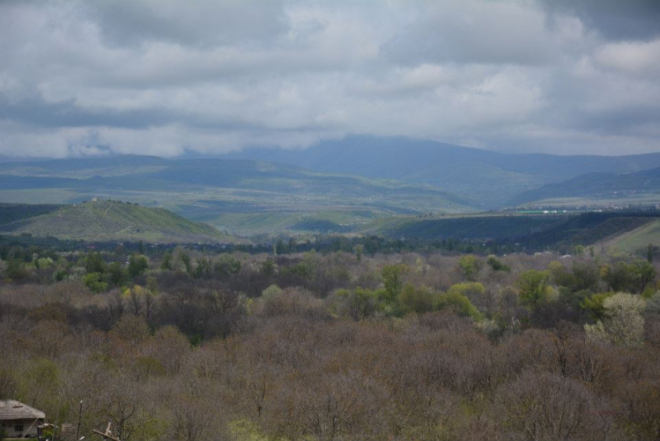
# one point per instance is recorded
(332, 344)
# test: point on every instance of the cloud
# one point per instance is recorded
(167, 76)
(635, 58)
(613, 19)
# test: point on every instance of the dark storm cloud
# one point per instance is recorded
(67, 114)
(615, 19)
(208, 23)
(166, 76)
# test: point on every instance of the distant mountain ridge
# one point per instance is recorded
(485, 178)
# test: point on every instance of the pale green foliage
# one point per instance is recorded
(623, 324)
(271, 291)
(460, 304)
(227, 265)
(247, 430)
(487, 326)
(469, 266)
(469, 289)
(43, 263)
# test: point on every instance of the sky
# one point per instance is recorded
(166, 77)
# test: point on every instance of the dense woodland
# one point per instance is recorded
(194, 345)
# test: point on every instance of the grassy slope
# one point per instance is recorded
(635, 241)
(100, 221)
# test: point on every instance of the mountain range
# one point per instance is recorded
(336, 185)
(482, 178)
(243, 196)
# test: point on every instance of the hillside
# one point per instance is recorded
(17, 213)
(591, 188)
(533, 232)
(635, 241)
(243, 196)
(487, 179)
(477, 227)
(106, 221)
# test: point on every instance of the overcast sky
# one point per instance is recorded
(164, 77)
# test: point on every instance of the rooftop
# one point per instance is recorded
(13, 410)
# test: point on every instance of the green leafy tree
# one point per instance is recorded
(268, 268)
(227, 265)
(94, 263)
(116, 274)
(534, 287)
(417, 300)
(392, 278)
(95, 282)
(469, 266)
(167, 261)
(187, 263)
(359, 249)
(16, 270)
(458, 303)
(595, 305)
(358, 304)
(628, 276)
(137, 265)
(497, 265)
(203, 268)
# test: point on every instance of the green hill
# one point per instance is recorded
(598, 188)
(635, 241)
(241, 196)
(107, 221)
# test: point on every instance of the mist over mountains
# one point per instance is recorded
(338, 185)
(486, 179)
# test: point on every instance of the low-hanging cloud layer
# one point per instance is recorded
(164, 77)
